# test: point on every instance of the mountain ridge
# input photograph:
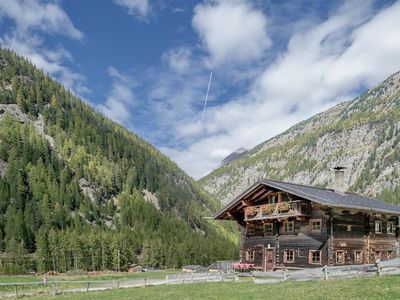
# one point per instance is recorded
(361, 134)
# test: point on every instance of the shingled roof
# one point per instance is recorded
(322, 196)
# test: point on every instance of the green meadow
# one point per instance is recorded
(387, 287)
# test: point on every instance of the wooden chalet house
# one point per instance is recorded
(294, 226)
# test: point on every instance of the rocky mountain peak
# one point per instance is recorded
(238, 153)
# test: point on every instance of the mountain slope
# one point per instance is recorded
(362, 135)
(79, 191)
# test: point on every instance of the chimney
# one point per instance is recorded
(338, 182)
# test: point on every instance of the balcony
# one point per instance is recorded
(277, 210)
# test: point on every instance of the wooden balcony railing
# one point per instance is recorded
(277, 210)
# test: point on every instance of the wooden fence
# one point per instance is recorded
(8, 290)
(389, 267)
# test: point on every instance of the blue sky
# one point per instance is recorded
(146, 63)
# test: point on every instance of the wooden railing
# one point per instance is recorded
(281, 209)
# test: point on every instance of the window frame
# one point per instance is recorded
(258, 230)
(284, 226)
(343, 259)
(272, 199)
(248, 232)
(271, 225)
(355, 257)
(392, 231)
(380, 226)
(285, 256)
(312, 225)
(250, 255)
(310, 257)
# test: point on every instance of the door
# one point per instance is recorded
(269, 259)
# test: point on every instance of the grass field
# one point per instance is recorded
(85, 276)
(387, 287)
(67, 279)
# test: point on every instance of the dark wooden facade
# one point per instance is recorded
(280, 229)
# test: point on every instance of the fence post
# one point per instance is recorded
(145, 281)
(378, 266)
(53, 288)
(117, 284)
(191, 277)
(87, 288)
(285, 275)
(326, 273)
(16, 291)
(207, 276)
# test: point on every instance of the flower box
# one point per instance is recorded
(267, 209)
(251, 211)
(284, 206)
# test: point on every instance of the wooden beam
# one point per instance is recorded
(236, 217)
(258, 193)
(267, 194)
(279, 197)
(244, 203)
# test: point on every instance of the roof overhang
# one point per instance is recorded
(222, 213)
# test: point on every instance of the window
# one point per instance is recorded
(357, 256)
(272, 199)
(288, 256)
(289, 226)
(268, 228)
(315, 225)
(314, 257)
(340, 258)
(250, 230)
(250, 255)
(389, 255)
(258, 230)
(390, 228)
(378, 226)
(285, 197)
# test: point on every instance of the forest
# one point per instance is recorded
(72, 195)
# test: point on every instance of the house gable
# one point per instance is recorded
(260, 190)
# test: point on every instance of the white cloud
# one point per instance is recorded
(233, 32)
(139, 9)
(323, 64)
(178, 59)
(33, 14)
(120, 100)
(33, 19)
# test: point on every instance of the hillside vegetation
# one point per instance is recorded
(362, 135)
(78, 191)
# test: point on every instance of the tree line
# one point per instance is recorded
(48, 222)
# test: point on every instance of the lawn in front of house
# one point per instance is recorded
(385, 287)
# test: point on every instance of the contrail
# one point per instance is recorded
(205, 100)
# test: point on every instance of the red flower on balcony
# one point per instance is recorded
(267, 209)
(251, 211)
